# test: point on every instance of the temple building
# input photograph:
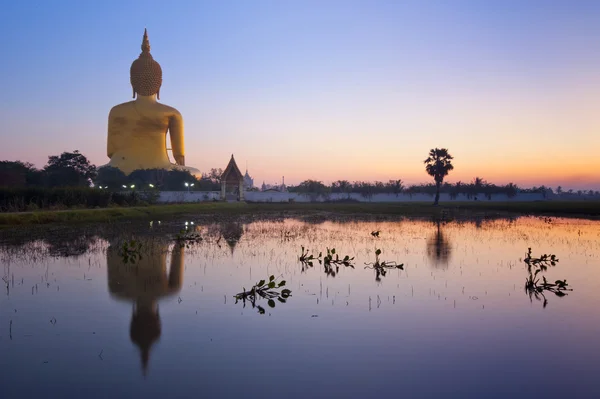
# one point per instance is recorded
(248, 181)
(232, 182)
(274, 187)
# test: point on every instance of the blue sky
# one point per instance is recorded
(356, 90)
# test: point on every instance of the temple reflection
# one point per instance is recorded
(439, 249)
(144, 283)
(232, 233)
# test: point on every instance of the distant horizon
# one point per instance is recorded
(339, 90)
(258, 182)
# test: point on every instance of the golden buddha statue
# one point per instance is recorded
(144, 283)
(137, 130)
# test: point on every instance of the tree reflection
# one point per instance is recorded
(439, 249)
(67, 243)
(144, 283)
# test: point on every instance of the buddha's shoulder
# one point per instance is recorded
(130, 106)
(119, 108)
(167, 109)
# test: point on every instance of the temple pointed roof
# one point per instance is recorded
(232, 168)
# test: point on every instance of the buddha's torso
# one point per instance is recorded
(147, 277)
(137, 130)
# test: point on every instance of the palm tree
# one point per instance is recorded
(438, 165)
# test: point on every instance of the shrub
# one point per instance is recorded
(34, 198)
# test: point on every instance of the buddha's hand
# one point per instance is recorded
(180, 160)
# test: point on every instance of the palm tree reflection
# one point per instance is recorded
(144, 283)
(439, 249)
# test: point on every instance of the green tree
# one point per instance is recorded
(438, 164)
(313, 188)
(341, 186)
(69, 169)
(395, 186)
(215, 176)
(19, 174)
(511, 190)
(110, 178)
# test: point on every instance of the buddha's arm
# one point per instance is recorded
(176, 133)
(110, 142)
(176, 272)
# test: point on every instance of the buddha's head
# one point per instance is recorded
(145, 73)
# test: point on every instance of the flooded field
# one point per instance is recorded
(405, 308)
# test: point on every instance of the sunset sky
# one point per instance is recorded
(356, 90)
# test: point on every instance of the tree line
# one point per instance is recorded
(477, 187)
(73, 169)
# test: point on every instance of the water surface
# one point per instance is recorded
(76, 320)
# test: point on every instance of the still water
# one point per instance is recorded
(81, 317)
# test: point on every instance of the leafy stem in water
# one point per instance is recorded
(381, 267)
(266, 290)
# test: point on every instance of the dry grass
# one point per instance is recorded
(584, 209)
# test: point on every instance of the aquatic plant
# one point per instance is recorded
(381, 267)
(533, 287)
(307, 257)
(330, 260)
(265, 290)
(332, 264)
(131, 251)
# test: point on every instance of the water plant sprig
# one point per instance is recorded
(307, 258)
(330, 260)
(266, 290)
(539, 264)
(533, 287)
(381, 267)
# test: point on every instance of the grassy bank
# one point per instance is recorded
(585, 209)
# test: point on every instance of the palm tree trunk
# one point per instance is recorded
(437, 194)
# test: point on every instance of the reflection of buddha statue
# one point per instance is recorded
(137, 130)
(144, 282)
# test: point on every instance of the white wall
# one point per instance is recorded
(274, 196)
(185, 196)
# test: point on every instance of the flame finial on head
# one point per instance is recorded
(145, 42)
(145, 73)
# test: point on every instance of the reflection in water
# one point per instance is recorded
(232, 233)
(533, 287)
(69, 243)
(439, 249)
(59, 333)
(144, 283)
(381, 267)
(265, 290)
